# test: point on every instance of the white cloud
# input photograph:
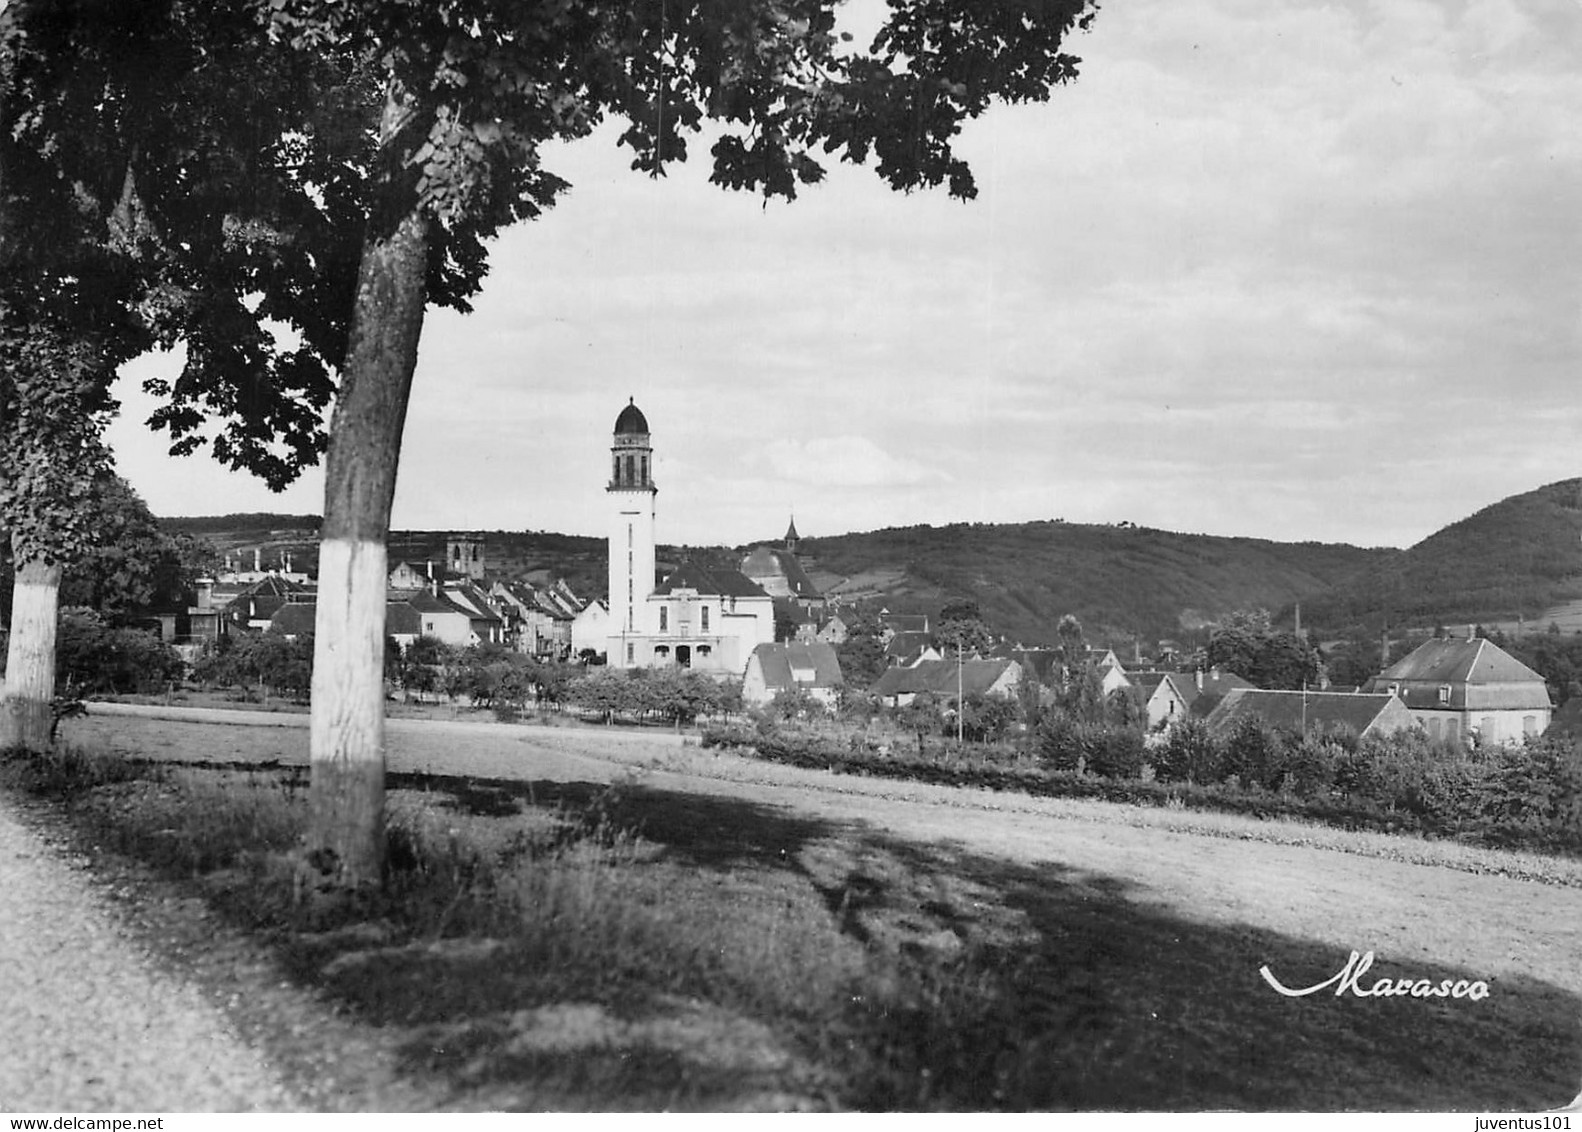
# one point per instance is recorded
(846, 462)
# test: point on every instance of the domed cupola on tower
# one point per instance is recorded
(632, 452)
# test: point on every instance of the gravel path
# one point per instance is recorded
(89, 1023)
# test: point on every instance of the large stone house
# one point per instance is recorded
(1463, 689)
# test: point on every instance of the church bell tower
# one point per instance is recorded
(632, 494)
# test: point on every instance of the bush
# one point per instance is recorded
(1309, 766)
(1250, 752)
(1189, 755)
(1532, 794)
(1529, 796)
(94, 658)
(1059, 741)
(1114, 752)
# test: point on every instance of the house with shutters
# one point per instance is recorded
(1467, 690)
(805, 666)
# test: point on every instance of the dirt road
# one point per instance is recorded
(1526, 930)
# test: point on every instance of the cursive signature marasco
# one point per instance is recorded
(1350, 977)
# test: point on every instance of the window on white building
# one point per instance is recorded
(664, 619)
(704, 619)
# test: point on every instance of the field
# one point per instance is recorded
(593, 919)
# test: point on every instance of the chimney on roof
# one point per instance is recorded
(429, 566)
(1199, 675)
(1472, 632)
(258, 560)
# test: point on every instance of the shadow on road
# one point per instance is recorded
(932, 976)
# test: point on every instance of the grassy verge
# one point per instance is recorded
(566, 946)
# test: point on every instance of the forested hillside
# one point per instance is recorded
(1119, 581)
(1517, 558)
(1520, 557)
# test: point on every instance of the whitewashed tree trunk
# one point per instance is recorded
(345, 841)
(26, 708)
(348, 720)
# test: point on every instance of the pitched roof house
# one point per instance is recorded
(1461, 687)
(810, 666)
(1162, 696)
(1305, 712)
(294, 619)
(900, 686)
(255, 606)
(894, 623)
(907, 649)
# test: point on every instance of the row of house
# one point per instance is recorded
(722, 621)
(1461, 691)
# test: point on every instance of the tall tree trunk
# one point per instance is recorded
(346, 791)
(26, 709)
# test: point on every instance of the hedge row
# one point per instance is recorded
(1540, 810)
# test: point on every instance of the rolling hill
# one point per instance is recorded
(1119, 581)
(1519, 558)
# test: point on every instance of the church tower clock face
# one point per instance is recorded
(631, 493)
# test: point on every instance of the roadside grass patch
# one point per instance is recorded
(552, 945)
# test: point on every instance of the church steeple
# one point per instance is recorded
(631, 492)
(791, 536)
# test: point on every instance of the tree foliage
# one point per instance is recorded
(961, 629)
(94, 656)
(1247, 647)
(861, 654)
(429, 130)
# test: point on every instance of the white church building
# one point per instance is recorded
(708, 619)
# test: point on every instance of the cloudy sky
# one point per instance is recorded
(1289, 269)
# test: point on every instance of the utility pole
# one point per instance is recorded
(960, 703)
